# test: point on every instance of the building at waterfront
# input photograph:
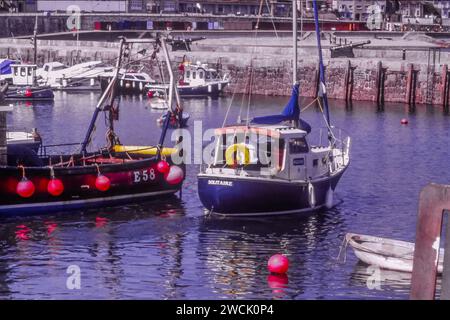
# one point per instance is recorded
(358, 10)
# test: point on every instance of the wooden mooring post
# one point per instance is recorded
(410, 88)
(348, 82)
(434, 201)
(380, 83)
(445, 86)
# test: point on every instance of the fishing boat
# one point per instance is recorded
(24, 85)
(196, 80)
(114, 174)
(271, 165)
(385, 253)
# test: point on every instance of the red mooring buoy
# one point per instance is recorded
(404, 121)
(25, 188)
(102, 183)
(278, 264)
(55, 187)
(163, 166)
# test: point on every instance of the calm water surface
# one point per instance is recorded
(168, 249)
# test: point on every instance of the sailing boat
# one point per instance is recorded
(115, 174)
(270, 165)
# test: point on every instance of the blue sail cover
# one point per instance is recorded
(5, 66)
(291, 112)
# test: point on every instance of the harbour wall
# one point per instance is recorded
(371, 76)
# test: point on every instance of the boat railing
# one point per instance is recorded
(339, 140)
(61, 148)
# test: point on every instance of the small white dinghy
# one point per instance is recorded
(385, 253)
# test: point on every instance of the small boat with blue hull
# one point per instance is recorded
(24, 85)
(286, 175)
(272, 165)
(30, 94)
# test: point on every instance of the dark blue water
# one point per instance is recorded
(168, 249)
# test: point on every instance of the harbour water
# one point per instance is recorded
(169, 249)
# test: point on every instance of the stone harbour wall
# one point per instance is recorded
(359, 79)
(351, 80)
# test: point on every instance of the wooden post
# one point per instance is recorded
(409, 84)
(434, 199)
(379, 81)
(444, 80)
(414, 86)
(346, 80)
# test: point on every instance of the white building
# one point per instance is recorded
(358, 10)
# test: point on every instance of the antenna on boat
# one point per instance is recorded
(322, 87)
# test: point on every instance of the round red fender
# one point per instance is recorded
(150, 94)
(55, 187)
(163, 166)
(175, 175)
(102, 183)
(28, 93)
(25, 188)
(278, 263)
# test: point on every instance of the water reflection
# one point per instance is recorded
(168, 249)
(236, 253)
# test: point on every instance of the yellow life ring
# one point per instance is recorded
(239, 149)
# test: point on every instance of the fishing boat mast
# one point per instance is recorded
(111, 92)
(99, 108)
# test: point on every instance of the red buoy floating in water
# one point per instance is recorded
(404, 121)
(163, 166)
(278, 264)
(55, 187)
(25, 188)
(175, 175)
(102, 183)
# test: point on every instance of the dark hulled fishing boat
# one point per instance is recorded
(272, 165)
(32, 183)
(24, 85)
(196, 80)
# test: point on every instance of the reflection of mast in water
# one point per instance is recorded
(171, 254)
(106, 253)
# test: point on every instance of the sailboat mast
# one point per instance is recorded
(294, 40)
(322, 88)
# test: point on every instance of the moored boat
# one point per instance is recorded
(385, 253)
(196, 80)
(24, 85)
(271, 165)
(44, 182)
